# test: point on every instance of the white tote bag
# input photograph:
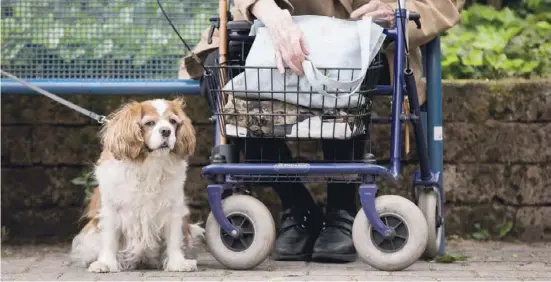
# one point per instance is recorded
(333, 44)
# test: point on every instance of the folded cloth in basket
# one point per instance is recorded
(310, 128)
(269, 118)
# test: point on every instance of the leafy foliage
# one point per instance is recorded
(511, 42)
(481, 234)
(505, 229)
(87, 181)
(450, 258)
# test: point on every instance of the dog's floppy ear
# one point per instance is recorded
(122, 134)
(185, 133)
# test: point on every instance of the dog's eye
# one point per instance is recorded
(150, 123)
(173, 121)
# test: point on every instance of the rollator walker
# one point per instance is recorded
(389, 232)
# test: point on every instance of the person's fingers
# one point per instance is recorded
(378, 15)
(367, 8)
(299, 56)
(391, 19)
(298, 67)
(279, 63)
(295, 66)
(290, 60)
(298, 49)
(303, 47)
(290, 47)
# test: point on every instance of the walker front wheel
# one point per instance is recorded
(403, 249)
(257, 229)
(429, 205)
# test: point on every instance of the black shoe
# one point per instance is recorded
(334, 243)
(297, 234)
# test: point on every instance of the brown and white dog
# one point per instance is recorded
(138, 216)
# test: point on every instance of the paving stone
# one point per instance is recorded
(541, 276)
(164, 276)
(37, 275)
(505, 275)
(429, 273)
(191, 278)
(487, 261)
(207, 272)
(493, 279)
(374, 277)
(418, 266)
(539, 266)
(122, 276)
(8, 277)
(18, 265)
(79, 276)
(416, 278)
(320, 278)
(467, 266)
(252, 277)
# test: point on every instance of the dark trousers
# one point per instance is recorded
(340, 196)
(296, 195)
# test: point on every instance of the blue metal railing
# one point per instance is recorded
(159, 87)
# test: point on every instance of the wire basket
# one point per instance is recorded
(267, 117)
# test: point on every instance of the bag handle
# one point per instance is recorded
(317, 79)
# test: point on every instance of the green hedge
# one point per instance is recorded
(491, 44)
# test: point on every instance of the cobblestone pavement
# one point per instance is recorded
(490, 261)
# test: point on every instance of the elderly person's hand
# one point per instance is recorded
(375, 9)
(287, 37)
(289, 43)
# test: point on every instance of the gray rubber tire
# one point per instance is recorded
(415, 245)
(264, 233)
(428, 204)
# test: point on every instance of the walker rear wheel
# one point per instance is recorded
(257, 228)
(429, 205)
(403, 249)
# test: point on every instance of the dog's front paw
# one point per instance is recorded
(102, 267)
(180, 264)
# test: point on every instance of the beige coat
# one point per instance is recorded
(436, 17)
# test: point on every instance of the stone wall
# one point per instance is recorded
(497, 160)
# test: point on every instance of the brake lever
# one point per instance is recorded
(214, 24)
(413, 16)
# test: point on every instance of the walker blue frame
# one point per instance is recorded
(430, 120)
(430, 153)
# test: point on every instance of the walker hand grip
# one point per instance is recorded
(239, 26)
(416, 17)
(214, 23)
(383, 23)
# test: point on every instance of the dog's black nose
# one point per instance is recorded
(165, 132)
